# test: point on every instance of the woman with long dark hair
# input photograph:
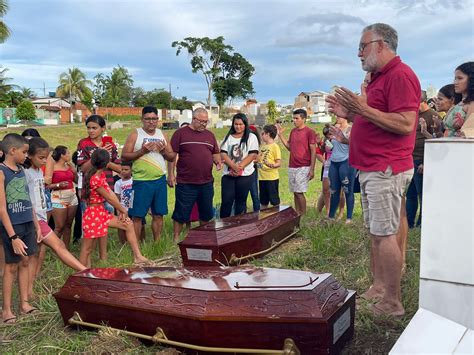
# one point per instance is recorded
(238, 151)
(463, 85)
(61, 177)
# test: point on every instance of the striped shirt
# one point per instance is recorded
(195, 151)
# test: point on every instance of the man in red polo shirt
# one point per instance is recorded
(382, 141)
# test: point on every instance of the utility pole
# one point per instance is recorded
(44, 90)
(171, 99)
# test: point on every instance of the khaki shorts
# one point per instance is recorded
(381, 195)
(64, 198)
(298, 179)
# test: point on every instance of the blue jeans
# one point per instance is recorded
(341, 176)
(415, 196)
(254, 192)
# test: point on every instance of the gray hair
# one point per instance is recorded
(198, 111)
(386, 32)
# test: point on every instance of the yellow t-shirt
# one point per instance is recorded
(268, 155)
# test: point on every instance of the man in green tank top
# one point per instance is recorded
(148, 148)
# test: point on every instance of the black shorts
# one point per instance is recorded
(187, 195)
(27, 233)
(269, 192)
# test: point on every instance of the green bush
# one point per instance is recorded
(26, 111)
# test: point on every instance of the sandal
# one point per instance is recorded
(9, 321)
(31, 311)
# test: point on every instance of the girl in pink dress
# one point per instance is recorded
(97, 220)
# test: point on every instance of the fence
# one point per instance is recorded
(43, 117)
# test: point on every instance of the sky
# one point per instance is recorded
(294, 45)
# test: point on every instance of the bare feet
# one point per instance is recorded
(348, 221)
(387, 309)
(373, 294)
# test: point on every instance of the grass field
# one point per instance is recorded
(320, 246)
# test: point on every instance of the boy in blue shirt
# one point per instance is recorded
(19, 227)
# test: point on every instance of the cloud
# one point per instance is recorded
(321, 28)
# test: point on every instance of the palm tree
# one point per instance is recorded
(27, 93)
(119, 87)
(73, 84)
(5, 87)
(4, 31)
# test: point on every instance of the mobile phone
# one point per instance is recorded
(107, 139)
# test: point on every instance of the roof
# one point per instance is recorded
(50, 108)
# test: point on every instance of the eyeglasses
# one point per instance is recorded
(150, 118)
(363, 45)
(202, 123)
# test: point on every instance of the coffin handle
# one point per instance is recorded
(234, 260)
(289, 346)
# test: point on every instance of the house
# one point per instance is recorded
(313, 102)
(50, 101)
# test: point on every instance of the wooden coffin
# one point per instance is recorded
(232, 240)
(237, 307)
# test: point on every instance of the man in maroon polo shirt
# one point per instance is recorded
(382, 141)
(198, 150)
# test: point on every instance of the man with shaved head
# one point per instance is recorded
(198, 150)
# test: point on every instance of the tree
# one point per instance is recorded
(4, 31)
(27, 93)
(99, 89)
(25, 111)
(160, 98)
(118, 87)
(205, 56)
(182, 104)
(6, 89)
(139, 97)
(73, 84)
(272, 112)
(234, 79)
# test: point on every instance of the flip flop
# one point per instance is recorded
(31, 311)
(9, 321)
(380, 312)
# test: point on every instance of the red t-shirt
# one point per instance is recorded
(195, 151)
(86, 147)
(395, 88)
(300, 153)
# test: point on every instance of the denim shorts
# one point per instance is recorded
(381, 195)
(187, 195)
(149, 195)
(27, 233)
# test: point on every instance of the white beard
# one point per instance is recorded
(370, 63)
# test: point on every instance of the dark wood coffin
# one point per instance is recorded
(238, 307)
(232, 240)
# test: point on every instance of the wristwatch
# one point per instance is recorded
(14, 236)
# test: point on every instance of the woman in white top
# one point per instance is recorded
(238, 150)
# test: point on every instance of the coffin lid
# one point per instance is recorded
(237, 278)
(233, 229)
(240, 292)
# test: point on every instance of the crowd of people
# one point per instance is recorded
(375, 147)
